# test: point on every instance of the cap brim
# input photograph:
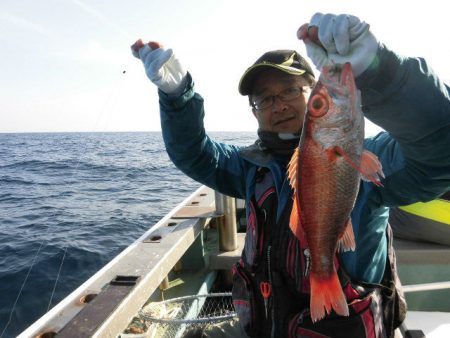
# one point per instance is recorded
(247, 79)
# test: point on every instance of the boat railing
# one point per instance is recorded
(105, 304)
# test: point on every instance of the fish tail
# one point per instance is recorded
(326, 294)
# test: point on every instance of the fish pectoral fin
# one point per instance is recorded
(370, 167)
(347, 241)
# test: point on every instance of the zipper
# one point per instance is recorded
(269, 275)
(307, 255)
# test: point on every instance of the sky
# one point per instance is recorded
(65, 65)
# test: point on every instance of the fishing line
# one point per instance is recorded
(21, 288)
(111, 24)
(111, 95)
(106, 21)
(57, 279)
(120, 178)
(48, 227)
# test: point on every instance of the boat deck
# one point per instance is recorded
(180, 256)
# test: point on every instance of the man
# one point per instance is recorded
(402, 95)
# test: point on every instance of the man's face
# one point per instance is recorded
(285, 115)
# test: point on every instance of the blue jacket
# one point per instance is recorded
(402, 95)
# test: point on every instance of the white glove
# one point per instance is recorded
(162, 67)
(341, 38)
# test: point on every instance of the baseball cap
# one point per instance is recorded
(286, 60)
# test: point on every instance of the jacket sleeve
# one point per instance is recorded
(214, 164)
(407, 99)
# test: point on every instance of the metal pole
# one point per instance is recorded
(226, 224)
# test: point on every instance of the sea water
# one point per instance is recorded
(70, 202)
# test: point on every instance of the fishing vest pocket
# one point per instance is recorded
(365, 319)
(261, 206)
(244, 301)
(252, 237)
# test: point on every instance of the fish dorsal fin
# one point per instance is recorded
(293, 169)
(294, 221)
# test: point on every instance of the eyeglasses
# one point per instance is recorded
(263, 102)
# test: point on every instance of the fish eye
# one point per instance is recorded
(318, 106)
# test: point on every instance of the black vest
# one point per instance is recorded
(274, 257)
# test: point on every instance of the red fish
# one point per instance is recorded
(325, 173)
